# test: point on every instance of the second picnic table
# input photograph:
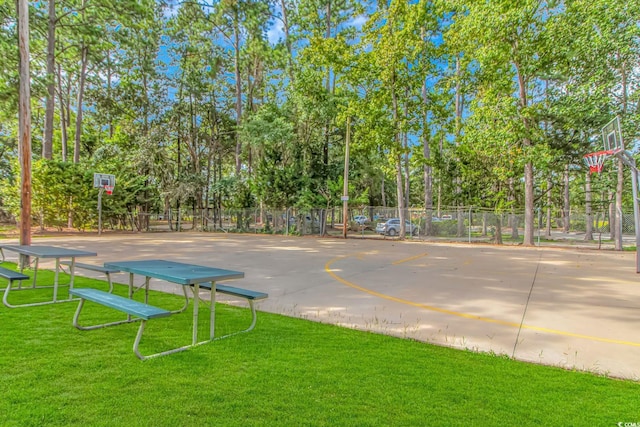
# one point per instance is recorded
(40, 252)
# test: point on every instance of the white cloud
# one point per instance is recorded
(275, 34)
(358, 21)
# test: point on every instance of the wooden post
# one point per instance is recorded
(24, 123)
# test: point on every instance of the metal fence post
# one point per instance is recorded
(470, 207)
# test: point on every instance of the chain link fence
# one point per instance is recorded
(459, 223)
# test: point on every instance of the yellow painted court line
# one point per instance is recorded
(409, 259)
(327, 268)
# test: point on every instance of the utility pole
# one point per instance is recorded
(345, 195)
(24, 123)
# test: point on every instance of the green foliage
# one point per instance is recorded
(63, 192)
(195, 105)
(59, 190)
(445, 228)
(8, 66)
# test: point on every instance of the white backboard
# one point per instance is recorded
(612, 136)
(100, 180)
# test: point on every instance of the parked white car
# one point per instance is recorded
(361, 219)
(392, 227)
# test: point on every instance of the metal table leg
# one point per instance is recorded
(212, 320)
(196, 306)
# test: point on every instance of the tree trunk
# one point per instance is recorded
(515, 236)
(81, 84)
(399, 189)
(512, 221)
(439, 203)
(109, 78)
(179, 164)
(484, 224)
(528, 203)
(459, 105)
(613, 230)
(236, 65)
(327, 124)
(426, 152)
(405, 148)
(566, 203)
(497, 239)
(47, 141)
(428, 185)
(549, 204)
(70, 213)
(287, 39)
(398, 142)
(213, 147)
(64, 138)
(528, 167)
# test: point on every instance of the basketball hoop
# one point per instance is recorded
(108, 189)
(595, 161)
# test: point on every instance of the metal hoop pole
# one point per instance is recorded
(629, 161)
(636, 211)
(100, 191)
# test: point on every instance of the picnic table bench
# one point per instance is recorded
(142, 311)
(11, 276)
(247, 294)
(92, 267)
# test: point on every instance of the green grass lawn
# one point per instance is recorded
(287, 372)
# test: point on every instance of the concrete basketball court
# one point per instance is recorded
(572, 308)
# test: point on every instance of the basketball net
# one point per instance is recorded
(108, 189)
(595, 161)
